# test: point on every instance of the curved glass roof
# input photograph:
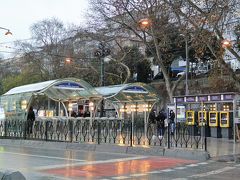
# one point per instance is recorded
(60, 89)
(133, 92)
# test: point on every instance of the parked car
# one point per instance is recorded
(190, 74)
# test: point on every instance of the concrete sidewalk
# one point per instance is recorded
(223, 150)
(216, 148)
(222, 147)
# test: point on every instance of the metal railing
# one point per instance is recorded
(100, 131)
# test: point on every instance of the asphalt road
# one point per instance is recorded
(49, 164)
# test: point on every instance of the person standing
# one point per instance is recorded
(160, 124)
(152, 121)
(172, 121)
(30, 120)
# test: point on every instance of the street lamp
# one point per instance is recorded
(226, 43)
(8, 31)
(145, 23)
(101, 53)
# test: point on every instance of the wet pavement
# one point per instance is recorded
(220, 147)
(37, 163)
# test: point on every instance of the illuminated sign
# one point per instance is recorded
(228, 96)
(135, 89)
(68, 85)
(203, 98)
(215, 98)
(190, 99)
(179, 99)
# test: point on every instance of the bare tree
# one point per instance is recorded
(203, 21)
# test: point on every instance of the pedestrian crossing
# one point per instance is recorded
(168, 170)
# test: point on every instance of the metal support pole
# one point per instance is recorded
(187, 66)
(99, 130)
(131, 131)
(168, 128)
(102, 84)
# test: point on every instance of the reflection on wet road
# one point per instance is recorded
(36, 163)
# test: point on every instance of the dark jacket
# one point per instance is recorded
(172, 116)
(31, 116)
(160, 119)
(152, 118)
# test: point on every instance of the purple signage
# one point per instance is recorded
(203, 98)
(215, 98)
(180, 99)
(190, 99)
(228, 96)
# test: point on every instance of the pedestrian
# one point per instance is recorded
(73, 114)
(172, 121)
(80, 113)
(87, 113)
(30, 120)
(160, 124)
(152, 121)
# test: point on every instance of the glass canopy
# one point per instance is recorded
(16, 101)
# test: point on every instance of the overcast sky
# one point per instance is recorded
(19, 15)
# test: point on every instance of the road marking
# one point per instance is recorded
(137, 175)
(192, 165)
(180, 168)
(167, 170)
(202, 163)
(237, 165)
(120, 177)
(40, 156)
(180, 179)
(154, 172)
(88, 163)
(213, 172)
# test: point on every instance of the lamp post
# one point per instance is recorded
(101, 53)
(8, 31)
(187, 65)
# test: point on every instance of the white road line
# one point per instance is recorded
(192, 165)
(237, 165)
(138, 175)
(154, 172)
(120, 177)
(167, 170)
(202, 163)
(40, 156)
(180, 168)
(213, 172)
(88, 163)
(180, 179)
